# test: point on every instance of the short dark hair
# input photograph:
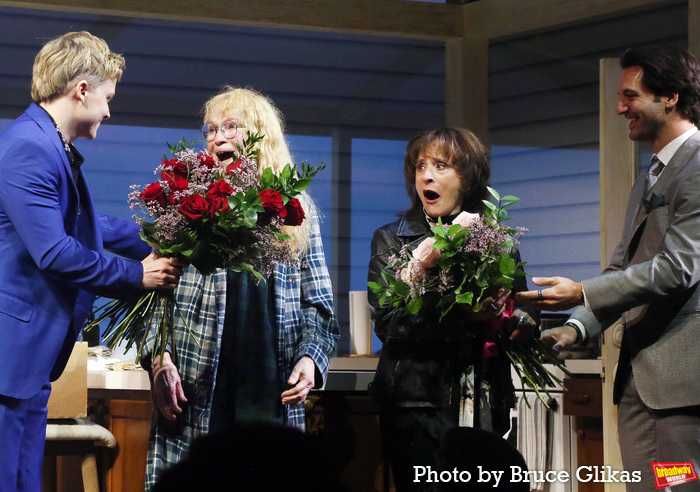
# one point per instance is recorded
(668, 70)
(462, 149)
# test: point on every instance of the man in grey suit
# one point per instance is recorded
(652, 280)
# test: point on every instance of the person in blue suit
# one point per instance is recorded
(52, 241)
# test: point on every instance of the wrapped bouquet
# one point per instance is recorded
(463, 264)
(212, 218)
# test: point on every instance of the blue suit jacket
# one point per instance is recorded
(51, 261)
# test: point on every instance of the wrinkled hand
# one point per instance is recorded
(301, 380)
(521, 326)
(560, 337)
(563, 294)
(167, 389)
(160, 272)
(491, 307)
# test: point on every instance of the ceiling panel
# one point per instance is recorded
(320, 81)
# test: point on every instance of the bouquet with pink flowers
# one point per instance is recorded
(212, 218)
(463, 264)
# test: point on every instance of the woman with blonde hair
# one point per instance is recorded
(254, 112)
(264, 345)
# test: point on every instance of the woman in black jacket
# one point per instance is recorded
(428, 370)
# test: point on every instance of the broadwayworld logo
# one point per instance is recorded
(670, 474)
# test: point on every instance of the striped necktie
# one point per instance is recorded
(655, 169)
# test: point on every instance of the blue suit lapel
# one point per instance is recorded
(42, 119)
(87, 231)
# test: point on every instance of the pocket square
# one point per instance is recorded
(654, 202)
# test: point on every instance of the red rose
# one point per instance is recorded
(218, 204)
(207, 161)
(295, 213)
(174, 169)
(177, 184)
(272, 203)
(219, 189)
(154, 192)
(234, 166)
(193, 206)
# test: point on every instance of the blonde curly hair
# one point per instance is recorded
(260, 115)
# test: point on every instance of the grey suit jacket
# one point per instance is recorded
(652, 282)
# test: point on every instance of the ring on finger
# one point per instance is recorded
(539, 294)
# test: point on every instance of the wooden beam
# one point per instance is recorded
(417, 20)
(497, 18)
(341, 225)
(618, 161)
(467, 84)
(618, 170)
(693, 20)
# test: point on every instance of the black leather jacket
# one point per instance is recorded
(422, 359)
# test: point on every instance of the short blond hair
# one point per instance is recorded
(260, 115)
(67, 59)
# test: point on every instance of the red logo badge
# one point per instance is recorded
(669, 474)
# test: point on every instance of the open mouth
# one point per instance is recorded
(631, 120)
(224, 157)
(431, 195)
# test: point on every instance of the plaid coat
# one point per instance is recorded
(306, 325)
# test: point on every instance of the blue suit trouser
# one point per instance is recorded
(22, 437)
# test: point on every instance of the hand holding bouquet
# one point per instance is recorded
(463, 263)
(212, 218)
(468, 264)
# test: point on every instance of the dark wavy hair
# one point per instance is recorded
(462, 149)
(668, 70)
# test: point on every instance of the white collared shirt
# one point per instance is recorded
(666, 154)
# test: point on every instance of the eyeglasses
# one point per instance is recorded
(229, 129)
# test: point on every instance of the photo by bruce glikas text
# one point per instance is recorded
(426, 474)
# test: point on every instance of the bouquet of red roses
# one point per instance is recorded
(212, 218)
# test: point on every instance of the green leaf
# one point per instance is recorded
(494, 193)
(267, 179)
(301, 185)
(439, 230)
(465, 298)
(490, 205)
(286, 173)
(441, 243)
(377, 288)
(507, 265)
(460, 235)
(414, 305)
(454, 230)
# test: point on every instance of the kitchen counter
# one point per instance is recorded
(345, 374)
